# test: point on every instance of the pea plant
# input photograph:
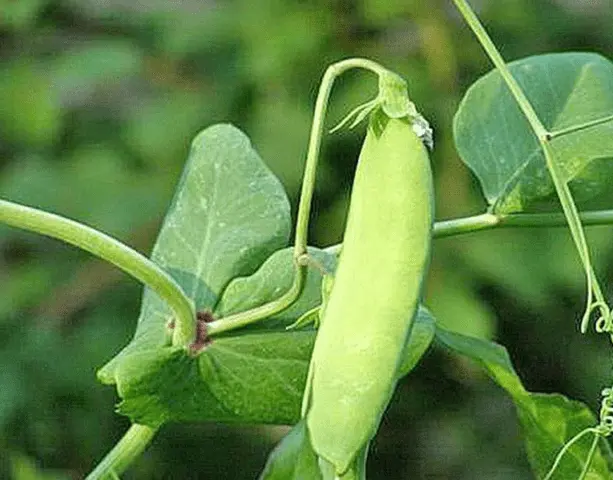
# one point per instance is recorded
(236, 326)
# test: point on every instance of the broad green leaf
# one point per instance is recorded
(253, 375)
(251, 378)
(495, 140)
(548, 421)
(228, 214)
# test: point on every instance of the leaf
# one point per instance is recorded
(293, 458)
(253, 378)
(253, 375)
(548, 421)
(495, 140)
(228, 214)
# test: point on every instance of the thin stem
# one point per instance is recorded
(489, 221)
(242, 319)
(588, 461)
(458, 226)
(565, 448)
(576, 229)
(582, 126)
(132, 444)
(111, 250)
(486, 42)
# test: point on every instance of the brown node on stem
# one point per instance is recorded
(202, 339)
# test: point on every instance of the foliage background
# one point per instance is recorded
(98, 104)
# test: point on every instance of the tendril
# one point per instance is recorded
(604, 322)
(605, 427)
(602, 430)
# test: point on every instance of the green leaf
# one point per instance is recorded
(548, 421)
(251, 378)
(253, 375)
(293, 458)
(545, 434)
(495, 140)
(228, 214)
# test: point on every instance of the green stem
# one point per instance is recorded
(544, 137)
(566, 447)
(489, 221)
(486, 42)
(242, 319)
(590, 456)
(128, 449)
(111, 250)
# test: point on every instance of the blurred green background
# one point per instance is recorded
(98, 103)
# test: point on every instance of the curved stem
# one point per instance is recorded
(232, 322)
(111, 250)
(131, 445)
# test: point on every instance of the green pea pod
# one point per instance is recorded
(376, 291)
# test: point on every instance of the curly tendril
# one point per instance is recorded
(605, 427)
(602, 430)
(604, 322)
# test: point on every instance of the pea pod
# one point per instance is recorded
(375, 295)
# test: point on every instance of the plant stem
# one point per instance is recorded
(242, 319)
(486, 42)
(590, 456)
(131, 445)
(489, 221)
(111, 250)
